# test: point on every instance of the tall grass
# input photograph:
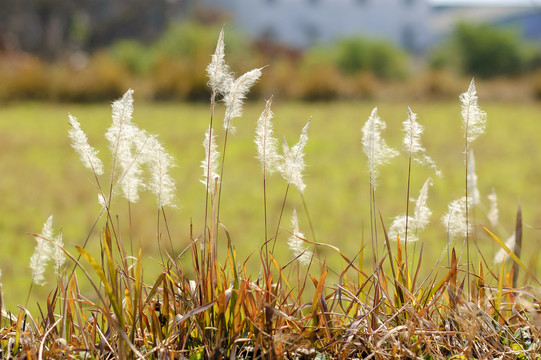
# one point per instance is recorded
(207, 305)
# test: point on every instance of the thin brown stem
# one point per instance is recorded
(280, 219)
(407, 215)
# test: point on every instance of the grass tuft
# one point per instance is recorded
(205, 305)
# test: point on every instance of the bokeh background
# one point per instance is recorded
(92, 50)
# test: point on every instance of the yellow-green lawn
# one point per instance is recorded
(41, 175)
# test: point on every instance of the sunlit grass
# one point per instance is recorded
(42, 176)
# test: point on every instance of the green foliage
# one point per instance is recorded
(486, 51)
(136, 57)
(384, 60)
(357, 55)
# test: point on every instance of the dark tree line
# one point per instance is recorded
(49, 28)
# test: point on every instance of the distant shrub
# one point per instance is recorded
(100, 78)
(486, 51)
(177, 79)
(385, 61)
(439, 84)
(321, 82)
(23, 77)
(133, 55)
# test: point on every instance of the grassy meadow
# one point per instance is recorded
(42, 176)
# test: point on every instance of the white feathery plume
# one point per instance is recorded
(422, 213)
(473, 118)
(455, 219)
(472, 180)
(293, 161)
(102, 200)
(79, 142)
(374, 146)
(502, 254)
(285, 146)
(220, 78)
(58, 255)
(398, 229)
(125, 151)
(267, 152)
(417, 222)
(296, 244)
(42, 252)
(412, 142)
(493, 213)
(161, 184)
(234, 99)
(211, 167)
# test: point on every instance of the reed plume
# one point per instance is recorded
(412, 142)
(295, 242)
(160, 183)
(292, 165)
(474, 193)
(493, 213)
(374, 146)
(415, 223)
(58, 254)
(267, 145)
(79, 142)
(473, 118)
(220, 77)
(234, 98)
(125, 152)
(42, 252)
(133, 148)
(455, 221)
(210, 162)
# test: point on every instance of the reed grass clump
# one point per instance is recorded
(205, 304)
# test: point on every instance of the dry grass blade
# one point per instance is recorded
(518, 245)
(207, 306)
(511, 254)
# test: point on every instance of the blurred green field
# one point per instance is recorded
(41, 175)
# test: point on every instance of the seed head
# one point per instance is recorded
(220, 78)
(79, 142)
(293, 161)
(303, 255)
(42, 252)
(210, 162)
(234, 99)
(473, 118)
(267, 152)
(374, 146)
(455, 219)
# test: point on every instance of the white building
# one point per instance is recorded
(301, 23)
